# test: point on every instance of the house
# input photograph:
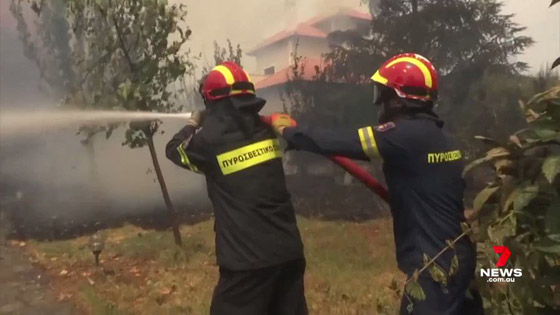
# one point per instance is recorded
(274, 57)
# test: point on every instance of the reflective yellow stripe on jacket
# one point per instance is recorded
(367, 140)
(248, 156)
(185, 159)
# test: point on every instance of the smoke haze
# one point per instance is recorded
(55, 170)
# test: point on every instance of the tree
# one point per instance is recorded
(489, 42)
(431, 28)
(138, 56)
(231, 53)
(47, 42)
(491, 101)
(125, 54)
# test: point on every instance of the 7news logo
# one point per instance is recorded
(501, 274)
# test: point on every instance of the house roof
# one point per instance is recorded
(353, 13)
(366, 16)
(301, 30)
(309, 28)
(308, 66)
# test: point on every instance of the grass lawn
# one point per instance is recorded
(351, 269)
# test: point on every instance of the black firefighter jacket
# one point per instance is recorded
(240, 156)
(422, 167)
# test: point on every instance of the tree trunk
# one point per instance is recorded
(170, 210)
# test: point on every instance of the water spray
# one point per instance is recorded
(21, 122)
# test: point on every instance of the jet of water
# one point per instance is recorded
(23, 122)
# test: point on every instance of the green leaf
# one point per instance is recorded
(557, 61)
(474, 164)
(483, 197)
(548, 245)
(500, 232)
(410, 308)
(454, 266)
(535, 101)
(525, 197)
(555, 237)
(125, 89)
(522, 106)
(502, 165)
(521, 197)
(469, 295)
(425, 259)
(495, 153)
(414, 289)
(515, 139)
(488, 140)
(466, 228)
(438, 275)
(551, 167)
(552, 218)
(545, 134)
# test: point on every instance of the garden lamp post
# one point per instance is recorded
(96, 244)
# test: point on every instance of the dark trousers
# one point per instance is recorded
(452, 299)
(276, 290)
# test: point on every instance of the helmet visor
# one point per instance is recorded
(377, 93)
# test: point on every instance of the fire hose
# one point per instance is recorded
(353, 169)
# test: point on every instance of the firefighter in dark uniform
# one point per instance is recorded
(258, 245)
(422, 167)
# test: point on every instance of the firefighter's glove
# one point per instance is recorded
(197, 118)
(281, 121)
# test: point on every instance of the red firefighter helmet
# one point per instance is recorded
(410, 75)
(225, 80)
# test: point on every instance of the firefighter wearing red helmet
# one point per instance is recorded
(422, 167)
(258, 245)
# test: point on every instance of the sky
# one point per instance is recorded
(543, 25)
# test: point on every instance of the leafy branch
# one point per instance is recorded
(412, 286)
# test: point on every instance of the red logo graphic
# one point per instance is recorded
(385, 126)
(505, 253)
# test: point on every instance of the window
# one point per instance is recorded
(269, 70)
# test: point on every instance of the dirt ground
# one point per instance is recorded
(24, 288)
(351, 269)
